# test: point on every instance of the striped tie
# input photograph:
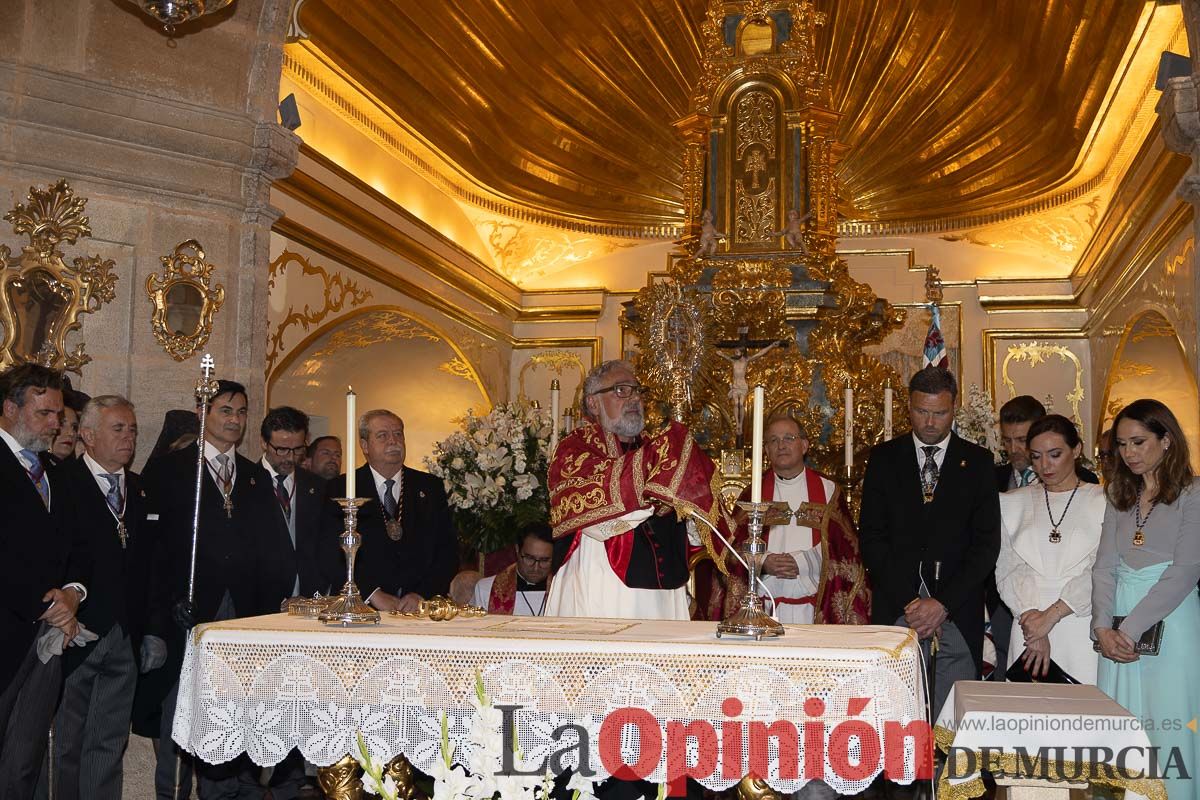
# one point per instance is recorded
(37, 474)
(113, 496)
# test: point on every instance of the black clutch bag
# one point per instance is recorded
(1148, 645)
(1055, 674)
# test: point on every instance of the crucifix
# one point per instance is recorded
(739, 388)
(756, 164)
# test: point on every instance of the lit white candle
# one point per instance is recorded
(887, 411)
(351, 440)
(553, 414)
(756, 447)
(849, 413)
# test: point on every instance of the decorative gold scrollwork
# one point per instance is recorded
(750, 788)
(41, 298)
(341, 780)
(1036, 353)
(184, 301)
(556, 361)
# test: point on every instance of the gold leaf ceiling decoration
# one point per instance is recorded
(950, 107)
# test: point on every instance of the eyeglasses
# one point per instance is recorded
(790, 438)
(536, 562)
(299, 452)
(622, 390)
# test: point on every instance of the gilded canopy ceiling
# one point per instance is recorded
(951, 107)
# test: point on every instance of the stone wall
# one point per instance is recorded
(169, 140)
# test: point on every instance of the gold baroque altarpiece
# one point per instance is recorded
(759, 144)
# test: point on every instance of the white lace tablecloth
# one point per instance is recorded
(266, 685)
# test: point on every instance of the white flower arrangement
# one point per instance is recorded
(975, 421)
(482, 777)
(494, 472)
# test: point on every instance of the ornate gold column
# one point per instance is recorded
(693, 129)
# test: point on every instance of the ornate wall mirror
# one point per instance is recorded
(184, 301)
(41, 297)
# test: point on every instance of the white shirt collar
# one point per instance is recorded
(98, 470)
(941, 446)
(380, 480)
(790, 481)
(287, 481)
(211, 452)
(13, 445)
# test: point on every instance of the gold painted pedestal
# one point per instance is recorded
(343, 780)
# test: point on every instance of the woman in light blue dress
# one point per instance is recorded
(1146, 571)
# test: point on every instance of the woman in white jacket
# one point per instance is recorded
(1051, 531)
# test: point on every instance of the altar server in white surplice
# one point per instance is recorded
(792, 568)
(1051, 531)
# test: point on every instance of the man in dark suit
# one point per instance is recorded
(309, 558)
(235, 569)
(109, 508)
(929, 500)
(409, 546)
(33, 557)
(309, 561)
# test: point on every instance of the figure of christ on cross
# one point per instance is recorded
(739, 388)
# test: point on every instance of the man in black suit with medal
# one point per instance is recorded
(409, 546)
(930, 531)
(109, 508)
(33, 556)
(308, 562)
(236, 569)
(307, 559)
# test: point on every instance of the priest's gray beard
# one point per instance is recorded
(628, 425)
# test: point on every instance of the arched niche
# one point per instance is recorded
(1150, 362)
(394, 359)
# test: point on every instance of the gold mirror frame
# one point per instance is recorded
(53, 215)
(185, 267)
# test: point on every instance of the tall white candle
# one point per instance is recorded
(756, 447)
(351, 440)
(553, 414)
(887, 411)
(849, 413)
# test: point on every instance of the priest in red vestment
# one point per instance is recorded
(812, 567)
(618, 505)
(520, 588)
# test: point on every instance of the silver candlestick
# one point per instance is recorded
(348, 607)
(750, 619)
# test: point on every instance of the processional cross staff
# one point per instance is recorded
(206, 390)
(739, 388)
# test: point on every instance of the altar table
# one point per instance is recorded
(1000, 716)
(266, 685)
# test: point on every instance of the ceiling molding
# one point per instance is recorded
(319, 243)
(308, 67)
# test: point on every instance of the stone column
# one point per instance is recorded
(169, 140)
(1179, 114)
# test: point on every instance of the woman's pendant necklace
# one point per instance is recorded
(1055, 536)
(1139, 537)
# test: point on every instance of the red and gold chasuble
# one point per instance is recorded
(503, 597)
(593, 481)
(843, 595)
